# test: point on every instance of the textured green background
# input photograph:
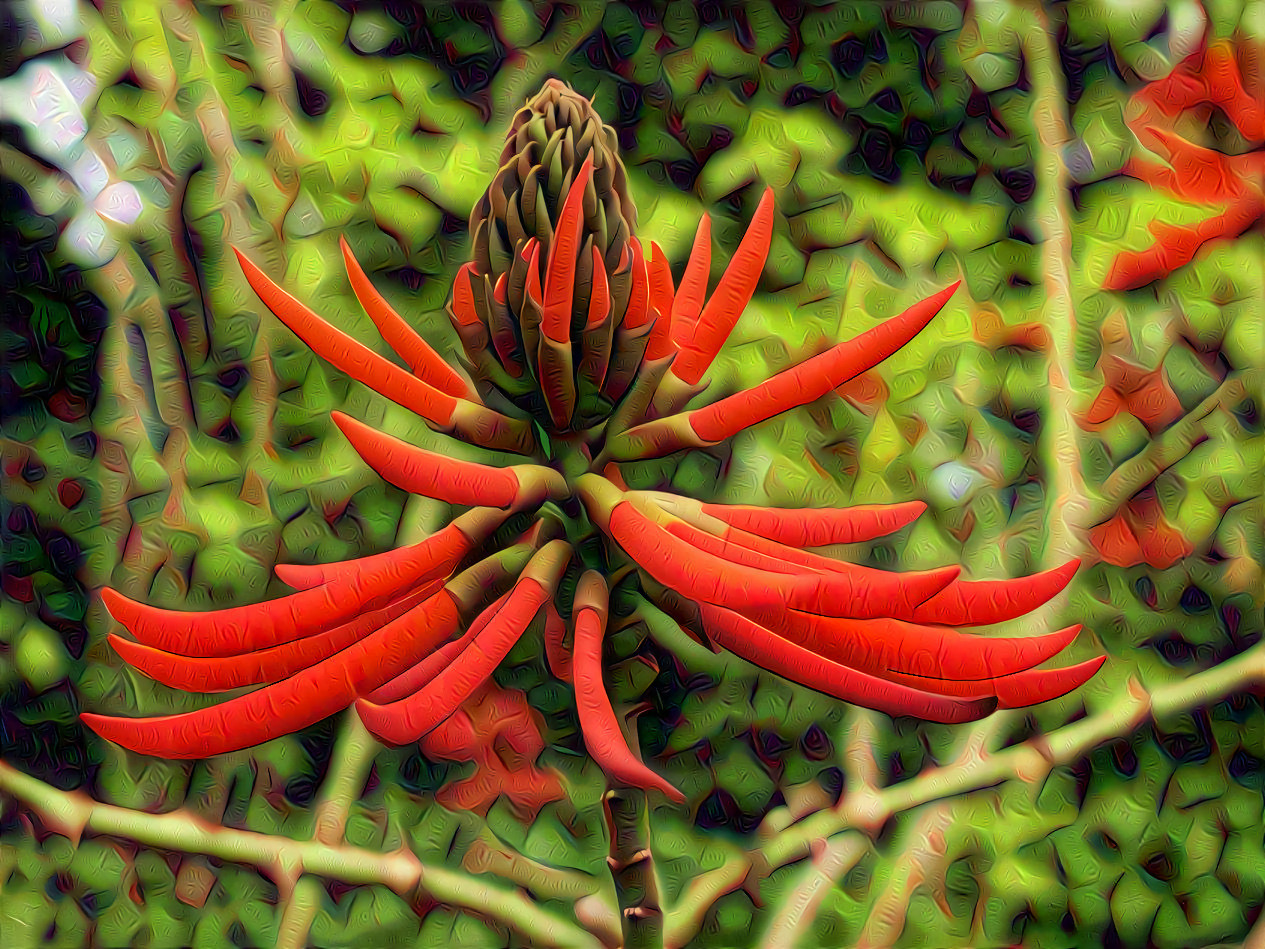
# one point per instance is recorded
(163, 434)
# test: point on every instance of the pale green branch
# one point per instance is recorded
(797, 911)
(1068, 504)
(1168, 449)
(74, 814)
(1030, 762)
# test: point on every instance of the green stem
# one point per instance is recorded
(632, 867)
(1068, 507)
(352, 760)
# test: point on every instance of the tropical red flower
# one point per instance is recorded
(1235, 183)
(583, 355)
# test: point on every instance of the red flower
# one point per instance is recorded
(585, 355)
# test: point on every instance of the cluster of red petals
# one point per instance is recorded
(1139, 533)
(1234, 183)
(500, 733)
(410, 641)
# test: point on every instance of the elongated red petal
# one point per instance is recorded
(790, 557)
(688, 302)
(418, 675)
(410, 718)
(463, 296)
(769, 651)
(421, 358)
(556, 654)
(1021, 689)
(730, 297)
(306, 576)
(818, 527)
(982, 602)
(793, 387)
(271, 623)
(699, 575)
(814, 377)
(560, 270)
(600, 297)
(427, 473)
(198, 674)
(439, 408)
(306, 697)
(770, 557)
(638, 312)
(734, 553)
(351, 357)
(661, 294)
(602, 735)
(880, 644)
(599, 330)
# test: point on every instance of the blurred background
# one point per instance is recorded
(1094, 391)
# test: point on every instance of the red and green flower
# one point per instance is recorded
(582, 357)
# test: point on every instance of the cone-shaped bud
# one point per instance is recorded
(541, 255)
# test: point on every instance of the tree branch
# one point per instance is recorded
(687, 915)
(833, 859)
(353, 758)
(1068, 504)
(924, 855)
(73, 814)
(1168, 449)
(1030, 762)
(632, 866)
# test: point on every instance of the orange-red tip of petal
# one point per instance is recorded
(1057, 683)
(672, 793)
(115, 603)
(377, 720)
(110, 727)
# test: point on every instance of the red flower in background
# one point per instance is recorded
(1235, 183)
(1128, 386)
(584, 355)
(1139, 533)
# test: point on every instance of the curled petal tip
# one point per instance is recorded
(377, 720)
(1046, 685)
(98, 723)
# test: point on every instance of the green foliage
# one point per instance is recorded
(165, 435)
